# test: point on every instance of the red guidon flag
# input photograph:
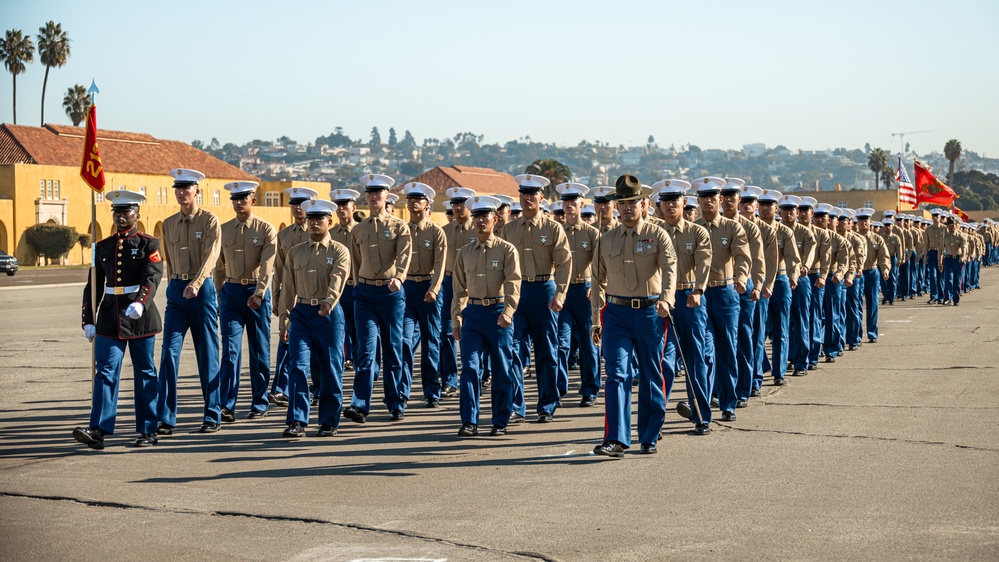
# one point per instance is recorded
(964, 216)
(931, 190)
(91, 170)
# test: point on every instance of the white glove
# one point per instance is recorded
(135, 310)
(89, 331)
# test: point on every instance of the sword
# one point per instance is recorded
(686, 379)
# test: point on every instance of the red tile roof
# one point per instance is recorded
(484, 181)
(136, 153)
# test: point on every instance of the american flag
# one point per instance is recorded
(906, 192)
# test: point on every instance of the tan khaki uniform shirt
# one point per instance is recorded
(342, 233)
(839, 262)
(316, 271)
(758, 264)
(693, 255)
(582, 239)
(730, 258)
(457, 234)
(877, 253)
(823, 251)
(934, 236)
(654, 263)
(287, 237)
(895, 245)
(382, 249)
(543, 249)
(770, 254)
(604, 228)
(429, 249)
(804, 240)
(248, 253)
(191, 245)
(788, 260)
(954, 246)
(485, 270)
(859, 254)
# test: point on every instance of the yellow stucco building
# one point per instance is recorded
(40, 183)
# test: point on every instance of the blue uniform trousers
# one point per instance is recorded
(315, 344)
(685, 344)
(933, 275)
(483, 341)
(563, 337)
(952, 277)
(721, 342)
(234, 317)
(279, 383)
(890, 285)
(855, 310)
(104, 402)
(448, 365)
(834, 305)
(629, 333)
(904, 278)
(761, 317)
(817, 317)
(746, 340)
(200, 315)
(801, 325)
(536, 320)
(378, 314)
(577, 314)
(872, 283)
(422, 328)
(918, 273)
(350, 331)
(779, 311)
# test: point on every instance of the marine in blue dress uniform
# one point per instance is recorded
(128, 270)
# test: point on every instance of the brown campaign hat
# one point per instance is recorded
(628, 188)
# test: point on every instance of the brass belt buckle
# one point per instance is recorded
(184, 277)
(244, 281)
(119, 290)
(636, 303)
(314, 302)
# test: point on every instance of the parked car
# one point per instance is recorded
(8, 263)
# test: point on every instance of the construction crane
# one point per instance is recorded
(901, 136)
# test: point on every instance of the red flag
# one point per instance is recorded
(931, 190)
(964, 216)
(91, 170)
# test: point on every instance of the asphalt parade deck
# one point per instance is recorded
(890, 453)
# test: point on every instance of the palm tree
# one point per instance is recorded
(16, 50)
(53, 50)
(76, 103)
(877, 161)
(952, 150)
(555, 171)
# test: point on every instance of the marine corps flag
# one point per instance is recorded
(91, 170)
(964, 216)
(931, 190)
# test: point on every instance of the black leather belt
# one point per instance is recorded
(486, 301)
(238, 281)
(545, 277)
(418, 278)
(313, 302)
(637, 302)
(181, 276)
(375, 282)
(684, 286)
(580, 281)
(721, 283)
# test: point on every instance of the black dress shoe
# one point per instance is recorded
(780, 381)
(295, 429)
(830, 359)
(545, 417)
(486, 382)
(742, 404)
(516, 418)
(326, 431)
(433, 403)
(610, 449)
(449, 391)
(468, 430)
(799, 373)
(397, 415)
(587, 401)
(208, 427)
(851, 347)
(228, 416)
(164, 429)
(755, 392)
(348, 365)
(872, 340)
(683, 409)
(278, 399)
(92, 437)
(714, 402)
(257, 414)
(813, 366)
(315, 401)
(957, 303)
(497, 430)
(728, 416)
(353, 414)
(648, 449)
(146, 440)
(702, 429)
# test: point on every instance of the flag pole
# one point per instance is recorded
(93, 91)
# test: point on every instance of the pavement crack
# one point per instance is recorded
(282, 518)
(863, 437)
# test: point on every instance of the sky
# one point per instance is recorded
(717, 74)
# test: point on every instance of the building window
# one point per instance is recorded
(199, 198)
(100, 196)
(41, 190)
(216, 198)
(142, 190)
(121, 188)
(843, 204)
(48, 189)
(272, 199)
(869, 204)
(55, 189)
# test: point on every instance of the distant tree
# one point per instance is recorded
(467, 141)
(392, 140)
(16, 50)
(285, 140)
(906, 148)
(83, 240)
(376, 139)
(952, 150)
(867, 148)
(200, 145)
(651, 141)
(76, 102)
(411, 168)
(51, 240)
(693, 149)
(408, 143)
(53, 50)
(214, 146)
(877, 162)
(555, 171)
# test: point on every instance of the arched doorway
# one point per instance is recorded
(3, 238)
(140, 227)
(158, 230)
(283, 226)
